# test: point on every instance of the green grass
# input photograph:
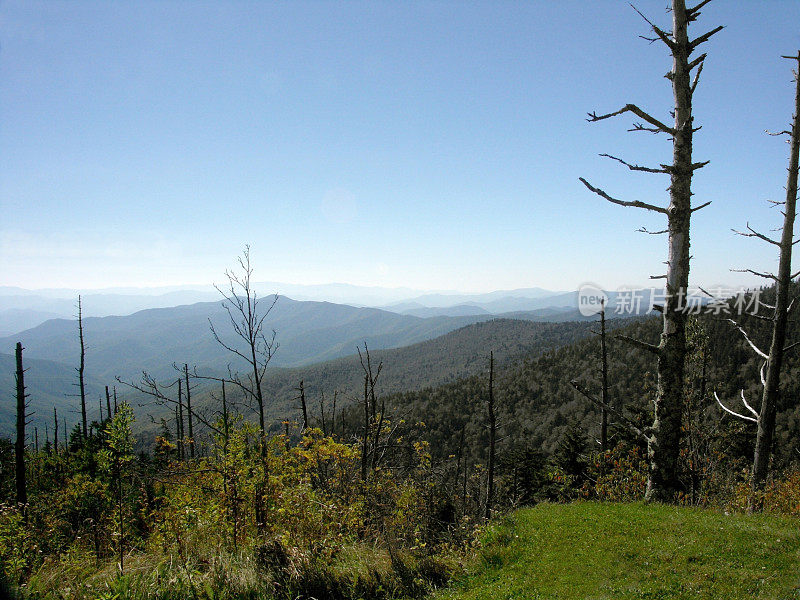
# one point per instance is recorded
(626, 551)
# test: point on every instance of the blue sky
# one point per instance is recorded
(434, 145)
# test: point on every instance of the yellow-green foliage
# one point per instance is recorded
(18, 548)
(292, 519)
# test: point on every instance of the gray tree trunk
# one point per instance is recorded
(189, 410)
(665, 434)
(771, 392)
(492, 440)
(19, 447)
(604, 391)
(81, 369)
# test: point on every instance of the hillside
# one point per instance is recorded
(443, 360)
(48, 384)
(537, 404)
(151, 340)
(633, 551)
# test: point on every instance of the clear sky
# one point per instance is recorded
(434, 145)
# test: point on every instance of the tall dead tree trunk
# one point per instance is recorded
(665, 433)
(769, 399)
(19, 447)
(181, 437)
(108, 404)
(365, 436)
(492, 440)
(55, 429)
(604, 375)
(225, 420)
(303, 406)
(773, 361)
(81, 368)
(189, 410)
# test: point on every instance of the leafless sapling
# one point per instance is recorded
(242, 304)
(373, 421)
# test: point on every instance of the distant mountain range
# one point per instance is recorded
(22, 309)
(307, 332)
(153, 339)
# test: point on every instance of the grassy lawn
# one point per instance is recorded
(626, 551)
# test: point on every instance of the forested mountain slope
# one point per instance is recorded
(537, 404)
(151, 340)
(48, 384)
(445, 359)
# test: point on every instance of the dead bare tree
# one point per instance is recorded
(373, 420)
(55, 429)
(773, 361)
(179, 409)
(159, 394)
(80, 369)
(303, 406)
(19, 447)
(665, 433)
(108, 404)
(189, 410)
(246, 317)
(492, 440)
(604, 378)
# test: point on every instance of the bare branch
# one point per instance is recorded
(658, 31)
(635, 203)
(630, 424)
(760, 317)
(696, 208)
(693, 13)
(750, 408)
(755, 234)
(696, 79)
(704, 38)
(749, 341)
(645, 230)
(639, 344)
(758, 274)
(697, 61)
(791, 346)
(639, 113)
(735, 414)
(776, 133)
(663, 169)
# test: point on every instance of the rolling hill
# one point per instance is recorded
(151, 340)
(446, 360)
